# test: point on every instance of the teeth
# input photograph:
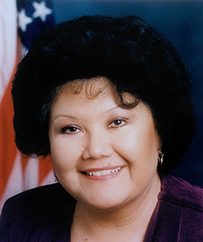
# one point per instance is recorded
(104, 172)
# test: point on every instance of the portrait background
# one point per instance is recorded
(180, 21)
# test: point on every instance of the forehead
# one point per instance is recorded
(94, 87)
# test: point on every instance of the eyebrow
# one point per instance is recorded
(73, 117)
(66, 116)
(111, 109)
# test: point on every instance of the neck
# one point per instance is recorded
(124, 223)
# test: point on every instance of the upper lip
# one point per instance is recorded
(100, 169)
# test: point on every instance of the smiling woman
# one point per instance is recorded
(109, 100)
(104, 142)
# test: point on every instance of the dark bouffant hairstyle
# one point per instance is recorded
(125, 50)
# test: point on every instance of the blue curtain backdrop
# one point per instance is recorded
(179, 21)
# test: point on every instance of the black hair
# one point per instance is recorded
(134, 57)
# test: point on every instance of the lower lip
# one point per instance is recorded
(104, 177)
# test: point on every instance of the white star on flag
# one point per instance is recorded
(41, 11)
(23, 20)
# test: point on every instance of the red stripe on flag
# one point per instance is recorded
(45, 166)
(8, 148)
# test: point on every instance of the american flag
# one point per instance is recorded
(20, 22)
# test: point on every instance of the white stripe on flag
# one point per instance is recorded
(15, 182)
(31, 174)
(8, 42)
(49, 179)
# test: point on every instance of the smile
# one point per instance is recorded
(103, 172)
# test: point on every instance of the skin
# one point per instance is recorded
(94, 134)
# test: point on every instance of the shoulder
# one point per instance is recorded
(180, 216)
(181, 193)
(46, 201)
(40, 214)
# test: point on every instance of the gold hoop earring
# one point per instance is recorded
(160, 158)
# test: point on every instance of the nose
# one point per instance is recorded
(97, 146)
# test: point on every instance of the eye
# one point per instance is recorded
(117, 123)
(70, 130)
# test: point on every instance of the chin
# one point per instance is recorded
(105, 204)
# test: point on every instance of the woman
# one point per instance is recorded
(109, 100)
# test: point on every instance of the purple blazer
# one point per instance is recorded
(45, 214)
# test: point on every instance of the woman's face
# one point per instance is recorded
(103, 155)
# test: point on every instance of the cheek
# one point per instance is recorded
(64, 155)
(138, 146)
